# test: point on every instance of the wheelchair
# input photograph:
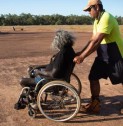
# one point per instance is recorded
(74, 80)
(57, 100)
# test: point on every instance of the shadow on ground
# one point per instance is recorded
(110, 110)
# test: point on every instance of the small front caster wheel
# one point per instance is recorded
(32, 113)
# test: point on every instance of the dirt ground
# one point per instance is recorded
(18, 50)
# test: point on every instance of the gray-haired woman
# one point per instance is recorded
(61, 64)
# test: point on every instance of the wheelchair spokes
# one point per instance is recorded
(75, 81)
(56, 100)
(61, 105)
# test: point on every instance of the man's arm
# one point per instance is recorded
(90, 47)
(80, 52)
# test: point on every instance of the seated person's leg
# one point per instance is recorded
(23, 100)
(21, 104)
(27, 82)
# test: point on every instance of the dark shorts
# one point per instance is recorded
(113, 70)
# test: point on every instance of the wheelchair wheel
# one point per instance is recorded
(75, 81)
(58, 101)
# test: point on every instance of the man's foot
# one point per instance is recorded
(121, 111)
(93, 107)
(121, 108)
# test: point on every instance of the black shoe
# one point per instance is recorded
(19, 106)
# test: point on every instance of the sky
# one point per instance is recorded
(62, 7)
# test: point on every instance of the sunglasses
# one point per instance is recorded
(89, 9)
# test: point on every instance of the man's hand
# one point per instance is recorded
(78, 59)
(78, 53)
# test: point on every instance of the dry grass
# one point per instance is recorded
(121, 29)
(51, 28)
(47, 28)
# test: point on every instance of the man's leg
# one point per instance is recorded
(95, 89)
(94, 105)
(121, 111)
(98, 71)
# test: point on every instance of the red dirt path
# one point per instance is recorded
(18, 50)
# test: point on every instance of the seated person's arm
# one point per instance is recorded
(38, 66)
(55, 66)
(46, 73)
(59, 65)
(33, 67)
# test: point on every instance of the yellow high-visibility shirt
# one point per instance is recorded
(111, 47)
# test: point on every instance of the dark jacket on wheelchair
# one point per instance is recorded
(60, 68)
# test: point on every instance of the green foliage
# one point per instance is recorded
(119, 20)
(55, 19)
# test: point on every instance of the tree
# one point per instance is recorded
(55, 19)
(2, 20)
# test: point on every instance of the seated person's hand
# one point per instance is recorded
(36, 72)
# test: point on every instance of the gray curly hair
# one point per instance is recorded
(61, 39)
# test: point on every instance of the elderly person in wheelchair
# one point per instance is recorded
(60, 67)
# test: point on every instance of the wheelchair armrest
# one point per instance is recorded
(31, 68)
